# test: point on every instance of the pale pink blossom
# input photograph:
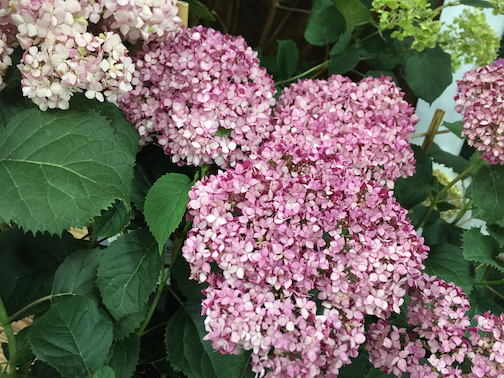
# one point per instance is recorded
(202, 96)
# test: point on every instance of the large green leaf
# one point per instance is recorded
(60, 168)
(287, 59)
(455, 127)
(487, 193)
(128, 272)
(344, 61)
(12, 101)
(105, 372)
(325, 23)
(191, 289)
(187, 352)
(77, 275)
(128, 324)
(447, 262)
(200, 10)
(111, 221)
(439, 231)
(354, 12)
(74, 336)
(481, 249)
(165, 205)
(459, 164)
(28, 265)
(415, 189)
(124, 356)
(428, 73)
(151, 164)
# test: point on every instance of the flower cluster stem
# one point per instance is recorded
(313, 69)
(177, 247)
(490, 283)
(11, 338)
(436, 199)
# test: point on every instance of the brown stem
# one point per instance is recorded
(269, 22)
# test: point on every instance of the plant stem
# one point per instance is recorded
(462, 212)
(159, 291)
(286, 81)
(11, 338)
(177, 246)
(495, 292)
(445, 189)
(487, 283)
(35, 303)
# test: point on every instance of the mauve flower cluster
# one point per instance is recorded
(480, 100)
(302, 249)
(435, 345)
(487, 339)
(7, 38)
(368, 122)
(63, 56)
(136, 19)
(203, 95)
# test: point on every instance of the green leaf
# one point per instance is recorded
(481, 301)
(128, 324)
(374, 42)
(477, 3)
(74, 336)
(111, 221)
(128, 272)
(105, 372)
(481, 249)
(344, 61)
(165, 205)
(428, 73)
(12, 101)
(200, 10)
(455, 127)
(341, 43)
(42, 370)
(440, 231)
(415, 189)
(287, 58)
(60, 168)
(354, 12)
(488, 195)
(187, 352)
(447, 262)
(28, 265)
(459, 164)
(496, 232)
(77, 275)
(151, 164)
(124, 357)
(325, 23)
(191, 289)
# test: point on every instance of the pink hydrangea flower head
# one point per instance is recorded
(369, 123)
(480, 99)
(99, 66)
(304, 250)
(35, 19)
(435, 345)
(137, 19)
(487, 339)
(5, 57)
(7, 26)
(203, 95)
